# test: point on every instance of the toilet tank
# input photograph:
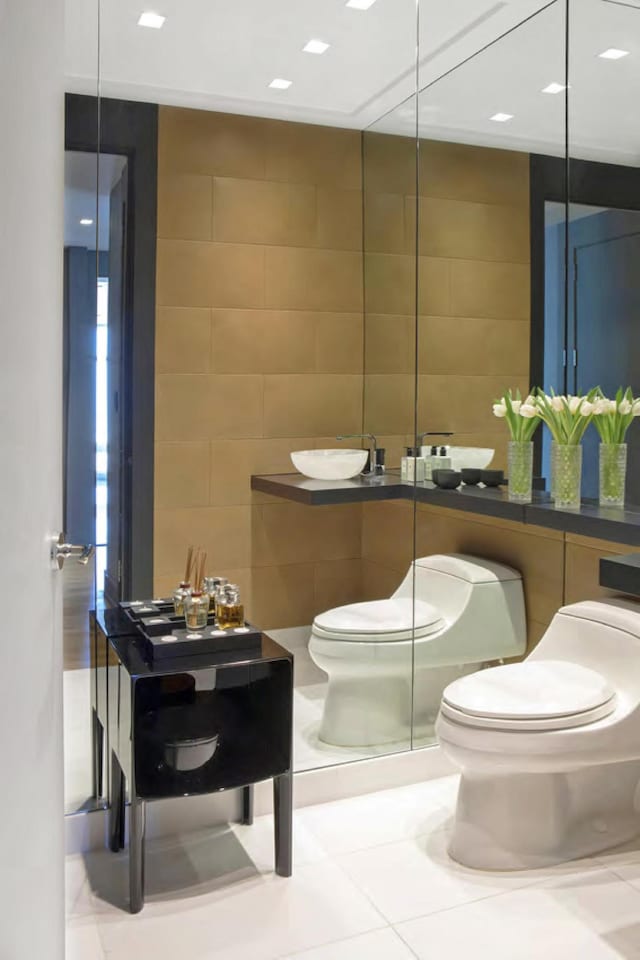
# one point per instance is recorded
(482, 602)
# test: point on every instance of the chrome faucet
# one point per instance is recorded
(429, 433)
(372, 453)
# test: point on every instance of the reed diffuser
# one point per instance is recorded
(196, 606)
(184, 590)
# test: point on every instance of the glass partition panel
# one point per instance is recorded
(243, 335)
(84, 237)
(604, 228)
(491, 124)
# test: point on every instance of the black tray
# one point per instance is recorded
(144, 609)
(187, 643)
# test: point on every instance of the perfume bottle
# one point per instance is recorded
(179, 596)
(210, 586)
(196, 610)
(229, 610)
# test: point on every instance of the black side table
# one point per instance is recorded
(197, 725)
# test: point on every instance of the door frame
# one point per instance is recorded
(130, 129)
(578, 181)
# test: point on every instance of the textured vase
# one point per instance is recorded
(613, 474)
(520, 468)
(567, 475)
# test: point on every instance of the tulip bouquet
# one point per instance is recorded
(612, 419)
(566, 416)
(522, 418)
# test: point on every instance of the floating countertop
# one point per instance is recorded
(621, 573)
(620, 525)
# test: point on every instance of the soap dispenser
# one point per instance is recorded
(428, 462)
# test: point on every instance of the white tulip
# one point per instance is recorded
(601, 406)
(530, 401)
(557, 404)
(499, 410)
(574, 404)
(624, 407)
(612, 406)
(636, 408)
(528, 410)
(515, 405)
(587, 408)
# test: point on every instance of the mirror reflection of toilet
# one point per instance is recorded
(467, 611)
(549, 749)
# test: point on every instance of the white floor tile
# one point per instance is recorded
(379, 945)
(417, 877)
(259, 918)
(258, 841)
(78, 900)
(377, 818)
(590, 916)
(82, 940)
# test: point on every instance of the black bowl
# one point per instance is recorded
(471, 476)
(447, 479)
(492, 478)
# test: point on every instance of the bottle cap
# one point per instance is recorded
(434, 451)
(443, 451)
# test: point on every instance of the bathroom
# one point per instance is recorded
(377, 236)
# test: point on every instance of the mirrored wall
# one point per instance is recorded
(296, 246)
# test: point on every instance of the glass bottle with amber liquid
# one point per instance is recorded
(229, 610)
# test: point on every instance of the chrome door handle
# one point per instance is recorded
(61, 551)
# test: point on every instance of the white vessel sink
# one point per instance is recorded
(470, 457)
(329, 464)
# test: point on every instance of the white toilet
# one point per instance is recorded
(549, 749)
(466, 611)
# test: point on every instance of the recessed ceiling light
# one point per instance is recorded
(280, 84)
(501, 117)
(150, 19)
(613, 54)
(85, 222)
(554, 88)
(316, 46)
(360, 4)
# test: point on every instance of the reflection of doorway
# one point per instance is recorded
(90, 272)
(603, 301)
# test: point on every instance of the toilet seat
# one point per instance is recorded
(379, 621)
(535, 695)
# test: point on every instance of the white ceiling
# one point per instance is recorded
(222, 55)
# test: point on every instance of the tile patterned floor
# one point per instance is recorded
(372, 881)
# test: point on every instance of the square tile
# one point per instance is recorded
(379, 945)
(255, 918)
(588, 916)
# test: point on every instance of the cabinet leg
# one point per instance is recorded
(283, 817)
(247, 805)
(116, 806)
(97, 756)
(136, 854)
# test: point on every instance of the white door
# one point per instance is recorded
(31, 180)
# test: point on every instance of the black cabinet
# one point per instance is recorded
(191, 726)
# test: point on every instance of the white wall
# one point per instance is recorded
(31, 178)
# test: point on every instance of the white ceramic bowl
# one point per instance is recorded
(470, 457)
(329, 464)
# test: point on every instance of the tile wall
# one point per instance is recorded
(259, 351)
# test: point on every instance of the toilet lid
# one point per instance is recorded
(379, 619)
(536, 692)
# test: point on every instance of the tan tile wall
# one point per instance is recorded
(473, 286)
(259, 351)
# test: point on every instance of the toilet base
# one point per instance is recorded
(367, 708)
(522, 821)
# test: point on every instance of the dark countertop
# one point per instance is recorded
(621, 573)
(619, 525)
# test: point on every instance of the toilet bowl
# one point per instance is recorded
(388, 661)
(549, 749)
